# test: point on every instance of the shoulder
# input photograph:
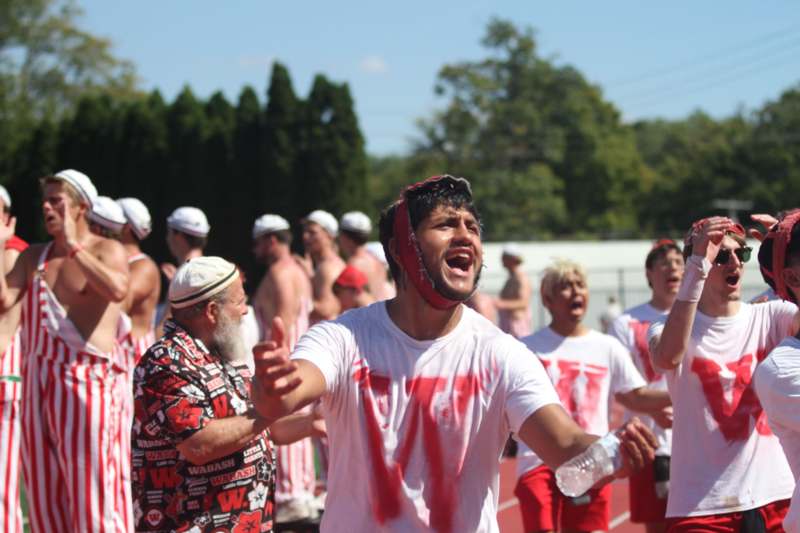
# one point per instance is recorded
(145, 266)
(107, 248)
(331, 268)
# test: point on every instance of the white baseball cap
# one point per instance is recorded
(512, 249)
(189, 220)
(137, 215)
(80, 182)
(356, 221)
(107, 214)
(5, 197)
(376, 249)
(266, 224)
(199, 279)
(324, 219)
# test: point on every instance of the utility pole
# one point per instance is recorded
(732, 206)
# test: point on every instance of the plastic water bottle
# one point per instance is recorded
(583, 471)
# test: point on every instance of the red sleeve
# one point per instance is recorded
(15, 243)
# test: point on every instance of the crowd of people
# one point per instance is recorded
(372, 385)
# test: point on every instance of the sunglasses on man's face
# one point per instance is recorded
(724, 255)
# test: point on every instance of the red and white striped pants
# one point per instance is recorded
(295, 476)
(10, 437)
(73, 464)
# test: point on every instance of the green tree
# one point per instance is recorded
(281, 138)
(545, 130)
(47, 64)
(334, 163)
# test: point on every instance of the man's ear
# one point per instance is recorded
(212, 311)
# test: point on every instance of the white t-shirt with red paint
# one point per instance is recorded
(725, 458)
(587, 371)
(417, 428)
(777, 382)
(630, 329)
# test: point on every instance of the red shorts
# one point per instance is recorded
(646, 506)
(544, 508)
(772, 514)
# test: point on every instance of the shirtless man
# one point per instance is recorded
(319, 238)
(145, 285)
(10, 390)
(285, 292)
(72, 288)
(187, 236)
(513, 305)
(354, 230)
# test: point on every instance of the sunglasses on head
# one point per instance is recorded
(724, 255)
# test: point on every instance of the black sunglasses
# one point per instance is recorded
(724, 255)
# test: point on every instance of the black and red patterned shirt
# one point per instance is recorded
(179, 388)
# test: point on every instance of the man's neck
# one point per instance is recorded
(132, 248)
(569, 328)
(714, 305)
(662, 302)
(418, 319)
(190, 254)
(326, 253)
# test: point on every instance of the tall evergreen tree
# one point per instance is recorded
(225, 190)
(281, 144)
(187, 130)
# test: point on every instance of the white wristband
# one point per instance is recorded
(694, 277)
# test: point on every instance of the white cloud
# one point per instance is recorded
(374, 65)
(260, 62)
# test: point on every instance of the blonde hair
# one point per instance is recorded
(556, 273)
(71, 191)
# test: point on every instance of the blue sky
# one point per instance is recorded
(651, 60)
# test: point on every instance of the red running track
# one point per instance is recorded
(510, 519)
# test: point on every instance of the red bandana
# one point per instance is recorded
(738, 229)
(781, 235)
(407, 247)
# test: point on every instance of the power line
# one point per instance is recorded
(726, 52)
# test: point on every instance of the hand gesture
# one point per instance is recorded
(168, 269)
(273, 376)
(706, 239)
(7, 229)
(638, 446)
(70, 231)
(766, 221)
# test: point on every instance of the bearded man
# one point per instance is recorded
(202, 457)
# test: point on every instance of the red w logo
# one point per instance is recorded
(165, 477)
(388, 477)
(231, 500)
(733, 417)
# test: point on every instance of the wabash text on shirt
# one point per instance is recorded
(179, 388)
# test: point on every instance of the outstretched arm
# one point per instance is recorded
(282, 386)
(555, 437)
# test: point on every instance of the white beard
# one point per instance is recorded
(228, 340)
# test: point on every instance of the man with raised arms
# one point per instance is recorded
(728, 471)
(649, 488)
(145, 285)
(10, 390)
(420, 393)
(285, 292)
(72, 290)
(319, 238)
